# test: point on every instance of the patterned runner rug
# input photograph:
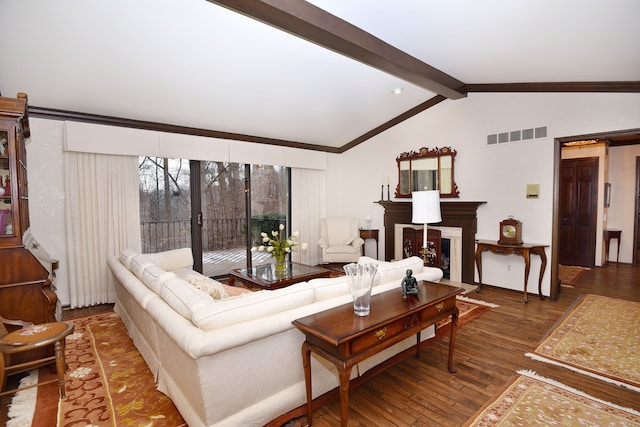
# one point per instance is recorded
(108, 381)
(529, 399)
(569, 274)
(597, 336)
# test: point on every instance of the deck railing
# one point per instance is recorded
(217, 234)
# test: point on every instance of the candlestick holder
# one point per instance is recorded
(388, 194)
(382, 193)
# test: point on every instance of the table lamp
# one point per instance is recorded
(425, 210)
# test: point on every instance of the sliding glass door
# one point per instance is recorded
(218, 209)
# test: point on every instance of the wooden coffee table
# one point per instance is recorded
(266, 277)
(345, 339)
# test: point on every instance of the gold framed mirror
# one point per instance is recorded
(427, 169)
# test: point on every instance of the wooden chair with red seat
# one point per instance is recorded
(25, 340)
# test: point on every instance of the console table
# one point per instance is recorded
(345, 339)
(608, 235)
(524, 250)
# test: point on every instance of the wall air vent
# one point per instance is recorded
(517, 135)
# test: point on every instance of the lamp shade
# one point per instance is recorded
(426, 207)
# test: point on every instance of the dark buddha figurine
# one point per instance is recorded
(409, 285)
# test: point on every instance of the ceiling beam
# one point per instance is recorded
(620, 87)
(317, 26)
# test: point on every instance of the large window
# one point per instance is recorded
(210, 214)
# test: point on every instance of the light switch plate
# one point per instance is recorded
(533, 191)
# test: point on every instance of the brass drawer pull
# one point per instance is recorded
(440, 306)
(380, 333)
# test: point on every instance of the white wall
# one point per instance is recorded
(497, 174)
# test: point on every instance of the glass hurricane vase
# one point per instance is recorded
(281, 263)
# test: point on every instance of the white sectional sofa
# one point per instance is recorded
(234, 360)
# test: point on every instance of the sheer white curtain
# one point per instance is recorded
(102, 217)
(308, 201)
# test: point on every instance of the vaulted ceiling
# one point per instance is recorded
(323, 74)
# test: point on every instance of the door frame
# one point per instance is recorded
(636, 215)
(554, 291)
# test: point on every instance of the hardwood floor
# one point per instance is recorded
(489, 350)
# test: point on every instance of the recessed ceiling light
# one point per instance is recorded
(398, 90)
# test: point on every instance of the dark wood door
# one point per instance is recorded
(578, 211)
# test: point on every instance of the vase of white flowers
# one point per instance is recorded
(279, 246)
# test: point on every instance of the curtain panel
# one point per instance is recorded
(103, 217)
(308, 203)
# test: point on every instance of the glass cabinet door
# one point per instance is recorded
(6, 211)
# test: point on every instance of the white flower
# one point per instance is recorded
(269, 248)
(281, 227)
(303, 246)
(295, 234)
(274, 233)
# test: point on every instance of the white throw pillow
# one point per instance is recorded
(208, 285)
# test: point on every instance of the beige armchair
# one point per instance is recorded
(340, 239)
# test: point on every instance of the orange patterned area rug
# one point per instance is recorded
(597, 336)
(108, 381)
(531, 400)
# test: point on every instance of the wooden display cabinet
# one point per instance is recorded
(25, 283)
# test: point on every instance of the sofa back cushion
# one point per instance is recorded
(250, 307)
(183, 297)
(173, 259)
(126, 255)
(153, 276)
(329, 288)
(138, 264)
